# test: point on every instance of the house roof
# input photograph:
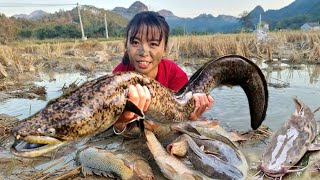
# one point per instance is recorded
(313, 24)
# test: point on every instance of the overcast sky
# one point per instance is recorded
(181, 8)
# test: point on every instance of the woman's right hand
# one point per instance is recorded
(140, 96)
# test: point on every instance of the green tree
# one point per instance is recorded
(25, 33)
(177, 31)
(246, 21)
(45, 33)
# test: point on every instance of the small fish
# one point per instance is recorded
(193, 128)
(222, 149)
(170, 166)
(209, 164)
(289, 144)
(117, 163)
(212, 128)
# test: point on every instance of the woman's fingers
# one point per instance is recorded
(133, 96)
(203, 103)
(148, 98)
(141, 97)
(144, 97)
(211, 101)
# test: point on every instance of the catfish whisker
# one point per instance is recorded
(295, 166)
(296, 170)
(257, 173)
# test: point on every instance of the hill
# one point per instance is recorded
(65, 24)
(292, 16)
(62, 24)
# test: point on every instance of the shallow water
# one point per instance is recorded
(230, 105)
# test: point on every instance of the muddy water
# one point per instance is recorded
(230, 103)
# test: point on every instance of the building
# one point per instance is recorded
(310, 26)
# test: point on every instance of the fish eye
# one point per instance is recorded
(51, 131)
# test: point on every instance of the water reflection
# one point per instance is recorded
(231, 105)
(53, 82)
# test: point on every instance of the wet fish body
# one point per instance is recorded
(170, 166)
(210, 165)
(226, 153)
(289, 144)
(217, 158)
(113, 163)
(97, 104)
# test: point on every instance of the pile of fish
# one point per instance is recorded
(191, 156)
(96, 105)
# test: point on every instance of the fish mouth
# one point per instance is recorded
(272, 172)
(274, 175)
(33, 146)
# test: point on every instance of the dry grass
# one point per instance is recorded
(295, 46)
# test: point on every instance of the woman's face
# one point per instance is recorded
(146, 51)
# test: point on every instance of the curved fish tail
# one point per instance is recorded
(233, 70)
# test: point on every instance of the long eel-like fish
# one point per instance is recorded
(97, 104)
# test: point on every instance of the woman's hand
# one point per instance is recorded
(203, 103)
(140, 96)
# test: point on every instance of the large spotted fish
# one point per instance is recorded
(97, 104)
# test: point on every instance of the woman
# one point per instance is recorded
(146, 43)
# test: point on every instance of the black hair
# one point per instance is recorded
(154, 22)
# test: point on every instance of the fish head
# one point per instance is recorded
(283, 157)
(45, 131)
(34, 136)
(271, 171)
(302, 112)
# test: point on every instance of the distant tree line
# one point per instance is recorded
(68, 31)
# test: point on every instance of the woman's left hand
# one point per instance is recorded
(203, 103)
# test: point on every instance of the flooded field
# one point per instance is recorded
(230, 107)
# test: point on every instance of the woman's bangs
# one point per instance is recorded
(153, 32)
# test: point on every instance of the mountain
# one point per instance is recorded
(135, 8)
(56, 24)
(292, 16)
(205, 23)
(166, 13)
(35, 15)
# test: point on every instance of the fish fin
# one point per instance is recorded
(214, 123)
(86, 171)
(170, 168)
(314, 147)
(130, 106)
(299, 107)
(188, 176)
(90, 171)
(316, 110)
(201, 148)
(236, 137)
(150, 125)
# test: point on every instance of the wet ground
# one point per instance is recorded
(285, 81)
